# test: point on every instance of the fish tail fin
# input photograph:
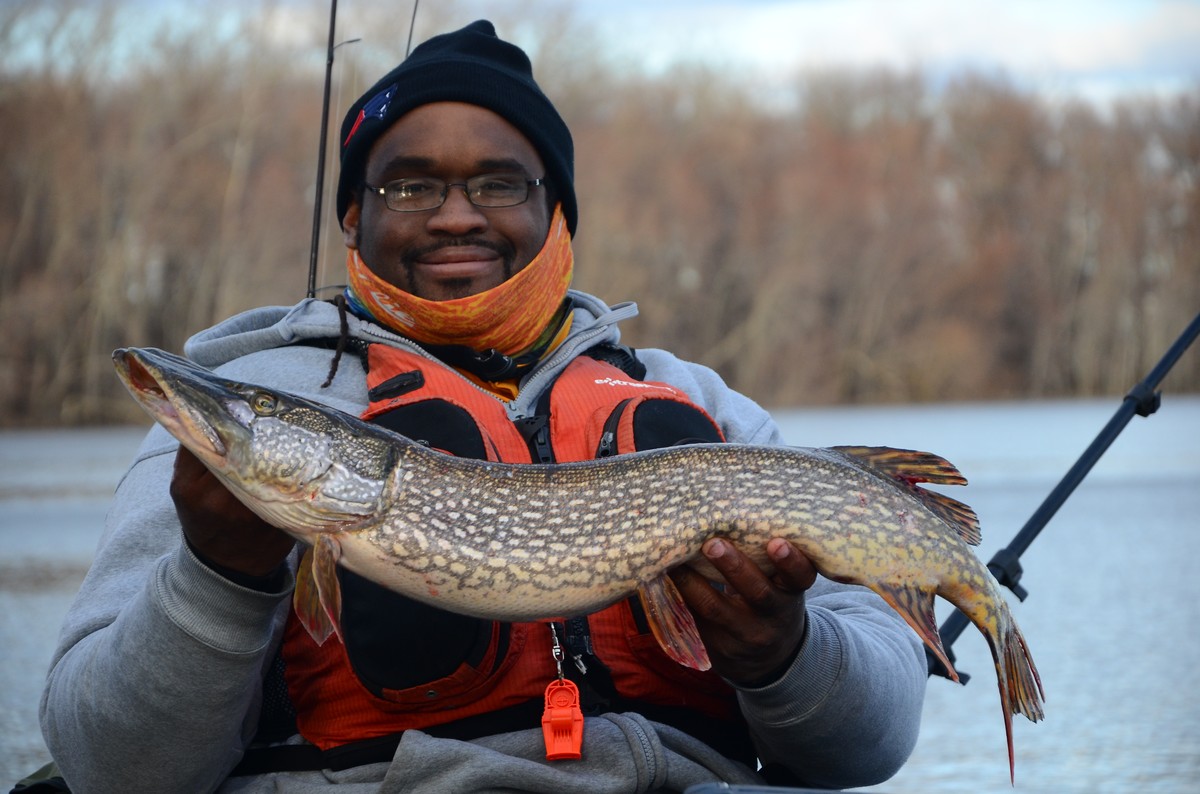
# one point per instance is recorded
(318, 595)
(1025, 684)
(916, 607)
(1021, 690)
(911, 467)
(672, 624)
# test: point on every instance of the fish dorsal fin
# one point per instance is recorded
(912, 467)
(908, 465)
(953, 512)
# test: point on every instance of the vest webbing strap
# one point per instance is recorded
(729, 739)
(298, 757)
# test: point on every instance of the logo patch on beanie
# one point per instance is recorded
(375, 108)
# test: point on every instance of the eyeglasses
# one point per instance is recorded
(426, 193)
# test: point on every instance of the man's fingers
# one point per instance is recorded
(793, 570)
(742, 575)
(704, 601)
(753, 623)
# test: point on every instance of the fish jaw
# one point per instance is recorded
(181, 418)
(256, 442)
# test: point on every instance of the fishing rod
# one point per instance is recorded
(1142, 400)
(316, 227)
(321, 147)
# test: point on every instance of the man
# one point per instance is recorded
(182, 666)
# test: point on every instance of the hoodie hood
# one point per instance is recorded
(241, 345)
(313, 321)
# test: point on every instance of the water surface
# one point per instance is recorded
(1110, 620)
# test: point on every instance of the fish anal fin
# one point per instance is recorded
(672, 624)
(318, 596)
(916, 607)
(907, 465)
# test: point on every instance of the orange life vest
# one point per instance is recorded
(593, 408)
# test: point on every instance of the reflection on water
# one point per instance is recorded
(1110, 617)
(1113, 596)
(1110, 623)
(54, 490)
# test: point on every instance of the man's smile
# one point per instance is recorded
(458, 262)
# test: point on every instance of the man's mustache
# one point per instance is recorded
(504, 250)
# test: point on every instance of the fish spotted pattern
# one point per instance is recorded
(530, 542)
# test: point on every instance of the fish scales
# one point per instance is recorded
(647, 513)
(528, 542)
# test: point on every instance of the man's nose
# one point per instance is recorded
(457, 214)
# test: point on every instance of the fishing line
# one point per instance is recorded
(412, 23)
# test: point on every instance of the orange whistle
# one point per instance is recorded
(562, 721)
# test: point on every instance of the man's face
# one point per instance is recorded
(457, 249)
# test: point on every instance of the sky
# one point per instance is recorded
(1094, 49)
(1091, 48)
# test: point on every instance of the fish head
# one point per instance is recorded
(301, 466)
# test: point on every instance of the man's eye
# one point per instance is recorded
(498, 184)
(407, 189)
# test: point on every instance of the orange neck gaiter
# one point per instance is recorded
(509, 317)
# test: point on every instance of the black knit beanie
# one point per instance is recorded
(471, 65)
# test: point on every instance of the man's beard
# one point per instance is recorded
(508, 316)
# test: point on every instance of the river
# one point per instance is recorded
(1113, 602)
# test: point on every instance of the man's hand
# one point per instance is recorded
(754, 627)
(222, 529)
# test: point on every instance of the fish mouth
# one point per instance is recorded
(161, 388)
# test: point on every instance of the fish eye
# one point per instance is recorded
(264, 404)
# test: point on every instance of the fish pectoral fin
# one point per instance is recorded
(306, 601)
(318, 596)
(916, 607)
(672, 624)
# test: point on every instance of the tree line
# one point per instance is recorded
(861, 237)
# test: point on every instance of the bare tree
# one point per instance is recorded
(871, 240)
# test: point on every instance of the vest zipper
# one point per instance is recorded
(566, 350)
(536, 432)
(608, 436)
(417, 350)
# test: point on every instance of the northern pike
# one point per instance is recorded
(523, 542)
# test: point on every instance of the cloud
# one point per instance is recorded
(1132, 44)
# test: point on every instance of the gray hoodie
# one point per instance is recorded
(157, 681)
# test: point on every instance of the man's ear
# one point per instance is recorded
(350, 224)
